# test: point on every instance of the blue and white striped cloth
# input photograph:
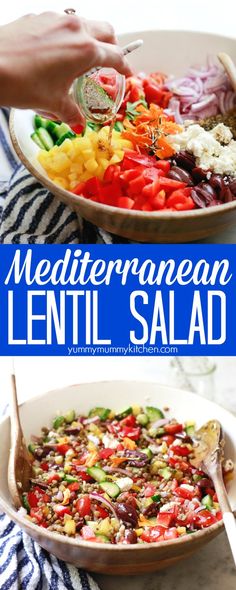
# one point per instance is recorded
(24, 565)
(29, 214)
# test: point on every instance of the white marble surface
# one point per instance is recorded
(212, 567)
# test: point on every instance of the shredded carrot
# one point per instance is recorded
(129, 444)
(150, 129)
(118, 460)
(92, 459)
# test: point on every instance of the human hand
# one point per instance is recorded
(41, 55)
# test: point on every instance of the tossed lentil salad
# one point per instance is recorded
(119, 478)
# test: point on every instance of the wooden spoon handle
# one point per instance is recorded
(230, 527)
(228, 516)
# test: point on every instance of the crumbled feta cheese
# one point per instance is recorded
(109, 441)
(167, 507)
(93, 439)
(186, 486)
(207, 147)
(124, 483)
(222, 133)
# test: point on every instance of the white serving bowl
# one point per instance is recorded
(115, 559)
(171, 52)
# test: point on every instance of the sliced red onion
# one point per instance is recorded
(199, 509)
(91, 420)
(100, 498)
(160, 422)
(207, 100)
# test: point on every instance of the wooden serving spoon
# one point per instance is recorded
(229, 67)
(19, 466)
(208, 455)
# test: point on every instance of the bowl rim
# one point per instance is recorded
(79, 200)
(77, 542)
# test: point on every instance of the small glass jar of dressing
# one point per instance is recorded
(99, 94)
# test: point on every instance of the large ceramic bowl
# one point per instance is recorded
(113, 559)
(171, 52)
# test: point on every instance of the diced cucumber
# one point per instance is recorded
(166, 473)
(25, 503)
(31, 448)
(142, 419)
(68, 135)
(103, 538)
(97, 473)
(156, 432)
(51, 127)
(190, 429)
(207, 501)
(45, 138)
(156, 498)
(34, 136)
(112, 489)
(102, 413)
(119, 126)
(93, 126)
(58, 421)
(124, 413)
(70, 478)
(148, 452)
(70, 416)
(153, 414)
(40, 122)
(62, 129)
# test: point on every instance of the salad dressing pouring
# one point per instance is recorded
(99, 92)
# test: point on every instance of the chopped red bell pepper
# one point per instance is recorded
(149, 490)
(173, 428)
(74, 487)
(87, 533)
(185, 493)
(125, 203)
(105, 453)
(165, 519)
(182, 451)
(171, 534)
(130, 420)
(61, 510)
(62, 448)
(79, 189)
(153, 534)
(133, 433)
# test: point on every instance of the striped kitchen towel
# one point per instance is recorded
(29, 214)
(24, 565)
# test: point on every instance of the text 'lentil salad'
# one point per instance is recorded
(119, 478)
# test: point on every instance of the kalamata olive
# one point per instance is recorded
(184, 437)
(226, 194)
(79, 524)
(137, 459)
(198, 199)
(180, 174)
(208, 188)
(130, 537)
(42, 452)
(185, 160)
(126, 513)
(152, 509)
(232, 186)
(204, 483)
(199, 174)
(216, 181)
(73, 429)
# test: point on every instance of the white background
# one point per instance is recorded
(127, 15)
